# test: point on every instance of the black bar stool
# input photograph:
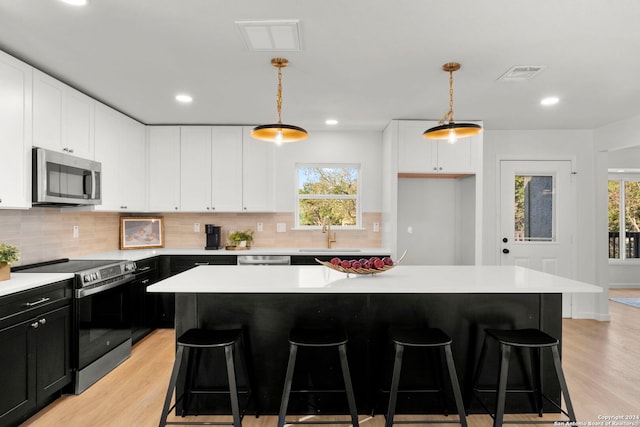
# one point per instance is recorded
(534, 340)
(194, 340)
(430, 338)
(317, 338)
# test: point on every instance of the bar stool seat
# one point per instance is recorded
(315, 338)
(196, 340)
(534, 340)
(427, 338)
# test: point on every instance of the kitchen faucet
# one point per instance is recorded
(326, 228)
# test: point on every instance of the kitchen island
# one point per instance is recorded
(267, 301)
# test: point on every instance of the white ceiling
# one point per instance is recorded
(363, 62)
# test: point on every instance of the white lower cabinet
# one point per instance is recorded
(15, 133)
(120, 147)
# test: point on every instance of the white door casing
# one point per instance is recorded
(548, 243)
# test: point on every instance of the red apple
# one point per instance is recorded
(368, 265)
(345, 264)
(378, 263)
(356, 264)
(335, 261)
(387, 260)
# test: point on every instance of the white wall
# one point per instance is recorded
(364, 148)
(575, 145)
(620, 143)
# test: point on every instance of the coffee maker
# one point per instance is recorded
(213, 236)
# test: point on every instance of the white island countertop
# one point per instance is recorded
(401, 279)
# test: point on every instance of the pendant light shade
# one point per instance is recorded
(279, 132)
(447, 128)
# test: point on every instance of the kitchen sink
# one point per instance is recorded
(336, 250)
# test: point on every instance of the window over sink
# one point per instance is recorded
(328, 191)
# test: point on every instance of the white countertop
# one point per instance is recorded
(401, 279)
(138, 254)
(25, 281)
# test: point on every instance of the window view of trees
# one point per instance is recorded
(624, 208)
(328, 192)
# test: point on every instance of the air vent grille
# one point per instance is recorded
(271, 36)
(521, 73)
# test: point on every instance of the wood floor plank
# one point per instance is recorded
(600, 360)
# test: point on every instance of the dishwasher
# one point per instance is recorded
(264, 260)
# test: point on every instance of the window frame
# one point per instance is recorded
(622, 177)
(357, 197)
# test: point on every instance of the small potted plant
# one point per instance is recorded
(240, 239)
(8, 255)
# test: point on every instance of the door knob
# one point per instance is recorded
(505, 240)
(505, 251)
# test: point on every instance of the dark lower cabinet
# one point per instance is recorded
(143, 304)
(35, 352)
(169, 266)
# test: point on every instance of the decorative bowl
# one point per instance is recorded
(361, 271)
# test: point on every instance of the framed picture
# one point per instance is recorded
(141, 232)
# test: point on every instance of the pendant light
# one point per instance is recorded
(279, 132)
(451, 131)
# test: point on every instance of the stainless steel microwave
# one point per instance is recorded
(64, 180)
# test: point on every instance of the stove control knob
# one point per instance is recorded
(94, 276)
(87, 278)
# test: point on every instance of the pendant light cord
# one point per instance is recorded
(448, 116)
(279, 95)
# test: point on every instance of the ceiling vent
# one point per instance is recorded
(271, 36)
(521, 73)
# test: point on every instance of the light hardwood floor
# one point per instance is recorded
(600, 360)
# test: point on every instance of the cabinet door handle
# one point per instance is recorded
(42, 321)
(34, 325)
(145, 281)
(200, 263)
(40, 301)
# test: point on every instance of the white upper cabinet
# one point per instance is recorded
(163, 148)
(80, 125)
(211, 169)
(49, 98)
(63, 118)
(120, 147)
(195, 168)
(226, 168)
(223, 169)
(257, 174)
(15, 133)
(419, 155)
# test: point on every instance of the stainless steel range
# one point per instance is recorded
(102, 314)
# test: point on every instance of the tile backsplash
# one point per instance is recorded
(47, 233)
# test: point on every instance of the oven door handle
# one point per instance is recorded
(85, 292)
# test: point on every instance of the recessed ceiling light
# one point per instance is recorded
(551, 100)
(185, 99)
(76, 2)
(331, 122)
